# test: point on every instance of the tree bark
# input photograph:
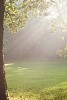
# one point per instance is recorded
(3, 88)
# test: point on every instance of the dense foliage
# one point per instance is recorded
(63, 52)
(17, 14)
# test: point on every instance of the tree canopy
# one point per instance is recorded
(17, 14)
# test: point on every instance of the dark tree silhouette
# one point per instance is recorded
(3, 88)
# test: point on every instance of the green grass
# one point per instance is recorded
(33, 79)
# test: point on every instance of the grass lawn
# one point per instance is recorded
(37, 80)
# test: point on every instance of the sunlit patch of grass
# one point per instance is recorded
(9, 64)
(19, 68)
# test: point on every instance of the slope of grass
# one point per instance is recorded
(58, 92)
(55, 93)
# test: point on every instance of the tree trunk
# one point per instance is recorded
(3, 88)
